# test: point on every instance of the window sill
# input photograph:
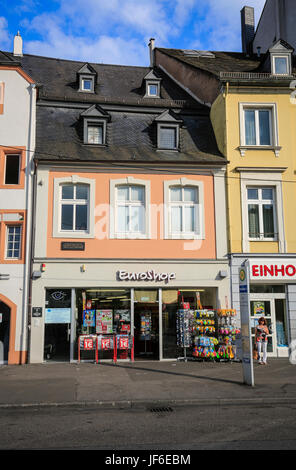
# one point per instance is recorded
(130, 236)
(263, 239)
(243, 148)
(66, 235)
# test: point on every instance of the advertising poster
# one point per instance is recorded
(57, 315)
(104, 322)
(258, 309)
(88, 318)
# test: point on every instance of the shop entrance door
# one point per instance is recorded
(4, 332)
(146, 324)
(57, 328)
(273, 308)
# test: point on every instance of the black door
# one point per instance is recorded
(4, 332)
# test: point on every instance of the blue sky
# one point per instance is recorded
(118, 31)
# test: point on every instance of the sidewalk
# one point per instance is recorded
(145, 383)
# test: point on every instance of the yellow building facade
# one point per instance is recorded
(254, 118)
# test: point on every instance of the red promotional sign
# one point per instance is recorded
(106, 343)
(123, 343)
(88, 343)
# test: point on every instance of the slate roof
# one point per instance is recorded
(57, 79)
(131, 137)
(221, 61)
(131, 129)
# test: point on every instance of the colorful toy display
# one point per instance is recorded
(210, 333)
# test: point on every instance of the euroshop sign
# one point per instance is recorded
(150, 275)
(273, 270)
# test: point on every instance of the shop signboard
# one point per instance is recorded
(266, 269)
(244, 293)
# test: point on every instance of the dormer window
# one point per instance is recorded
(87, 84)
(153, 89)
(86, 79)
(152, 85)
(95, 125)
(280, 65)
(168, 129)
(281, 58)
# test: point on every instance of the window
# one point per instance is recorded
(87, 84)
(280, 65)
(130, 210)
(261, 213)
(13, 242)
(12, 169)
(94, 133)
(258, 129)
(183, 211)
(153, 90)
(74, 207)
(168, 137)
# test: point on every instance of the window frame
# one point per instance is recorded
(57, 205)
(273, 124)
(183, 183)
(260, 202)
(176, 128)
(267, 177)
(87, 122)
(275, 56)
(74, 203)
(83, 77)
(7, 155)
(150, 83)
(129, 181)
(7, 227)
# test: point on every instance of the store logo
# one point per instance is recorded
(145, 276)
(58, 295)
(242, 275)
(292, 357)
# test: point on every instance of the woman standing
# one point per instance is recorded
(261, 332)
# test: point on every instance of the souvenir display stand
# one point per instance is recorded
(88, 343)
(124, 344)
(204, 330)
(184, 330)
(107, 343)
(207, 334)
(227, 333)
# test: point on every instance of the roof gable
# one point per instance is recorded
(95, 111)
(87, 69)
(167, 116)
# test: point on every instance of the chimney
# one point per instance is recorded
(151, 50)
(18, 45)
(248, 29)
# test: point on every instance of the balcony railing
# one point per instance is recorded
(254, 76)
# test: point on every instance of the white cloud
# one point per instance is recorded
(221, 26)
(5, 39)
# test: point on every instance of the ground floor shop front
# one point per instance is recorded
(110, 301)
(272, 296)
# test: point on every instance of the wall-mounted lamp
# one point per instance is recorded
(83, 268)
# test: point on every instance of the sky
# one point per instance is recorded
(118, 31)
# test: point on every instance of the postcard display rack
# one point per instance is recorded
(207, 334)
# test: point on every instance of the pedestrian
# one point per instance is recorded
(261, 332)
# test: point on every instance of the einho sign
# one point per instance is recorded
(150, 275)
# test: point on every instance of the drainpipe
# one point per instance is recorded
(30, 220)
